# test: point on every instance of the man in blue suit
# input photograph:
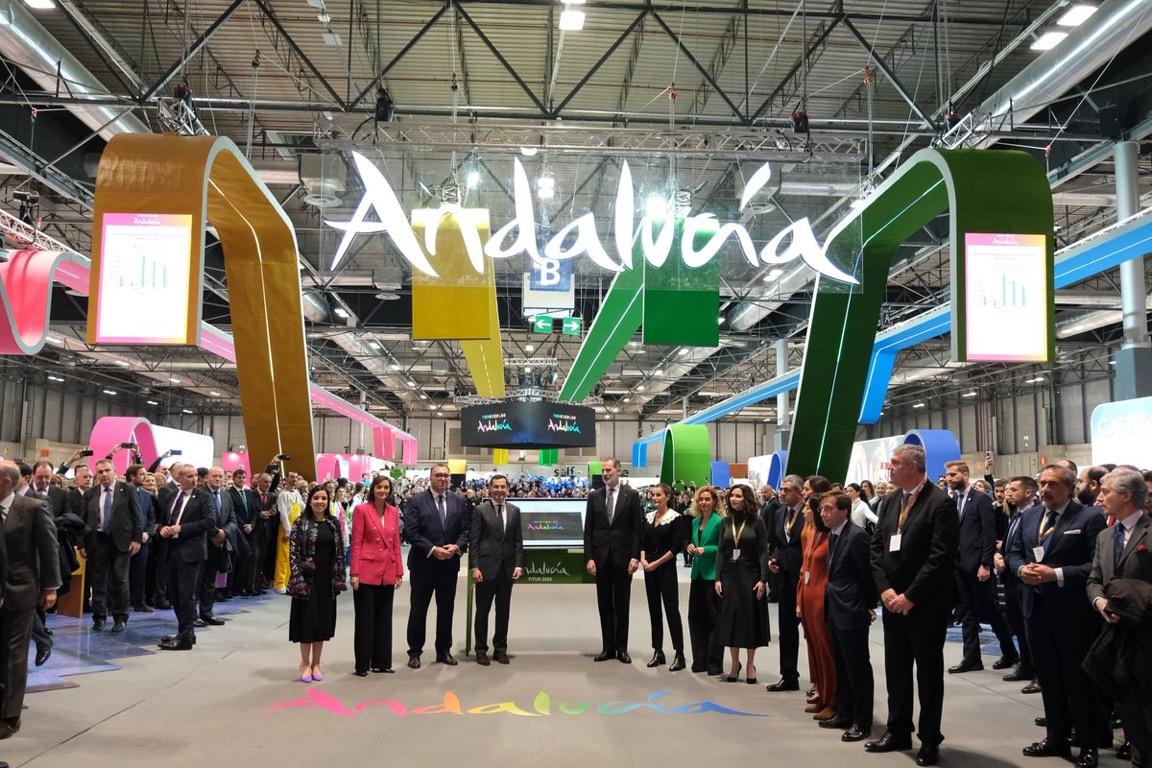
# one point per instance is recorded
(1051, 553)
(436, 526)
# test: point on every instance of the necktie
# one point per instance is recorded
(244, 501)
(106, 518)
(905, 508)
(832, 547)
(177, 509)
(443, 511)
(3, 514)
(608, 501)
(1047, 525)
(1117, 544)
(500, 519)
(216, 500)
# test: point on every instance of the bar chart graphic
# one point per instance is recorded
(1006, 285)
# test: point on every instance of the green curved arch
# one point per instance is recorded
(982, 191)
(687, 455)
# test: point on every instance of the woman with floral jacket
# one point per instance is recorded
(316, 560)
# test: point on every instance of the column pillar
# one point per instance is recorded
(783, 421)
(1134, 358)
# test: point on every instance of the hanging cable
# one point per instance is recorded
(252, 105)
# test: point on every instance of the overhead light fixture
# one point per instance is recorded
(658, 373)
(323, 18)
(423, 397)
(527, 369)
(412, 384)
(185, 410)
(152, 402)
(374, 344)
(571, 21)
(918, 405)
(214, 393)
(40, 5)
(1048, 41)
(973, 393)
(683, 351)
(608, 417)
(173, 379)
(1111, 362)
(1076, 15)
(720, 320)
(473, 179)
(340, 312)
(1035, 380)
(639, 387)
(627, 399)
(109, 392)
(773, 274)
(123, 363)
(529, 348)
(396, 366)
(528, 151)
(385, 107)
(54, 378)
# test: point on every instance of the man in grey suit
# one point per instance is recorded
(115, 531)
(224, 516)
(33, 576)
(497, 555)
(1125, 554)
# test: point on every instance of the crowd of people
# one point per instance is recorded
(1071, 621)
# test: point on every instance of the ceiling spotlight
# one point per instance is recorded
(395, 366)
(152, 402)
(473, 179)
(627, 399)
(123, 363)
(40, 5)
(109, 392)
(340, 312)
(658, 372)
(54, 378)
(918, 405)
(214, 393)
(423, 397)
(969, 394)
(529, 348)
(185, 410)
(528, 151)
(1076, 15)
(683, 351)
(571, 21)
(1048, 41)
(527, 369)
(773, 274)
(1035, 380)
(721, 320)
(374, 344)
(412, 384)
(173, 379)
(323, 18)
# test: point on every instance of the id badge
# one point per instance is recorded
(894, 542)
(1038, 553)
(735, 554)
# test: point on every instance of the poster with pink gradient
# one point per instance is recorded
(145, 279)
(1007, 288)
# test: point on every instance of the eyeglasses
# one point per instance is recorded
(442, 474)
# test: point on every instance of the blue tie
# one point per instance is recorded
(1117, 544)
(107, 522)
(216, 499)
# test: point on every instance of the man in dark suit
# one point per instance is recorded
(613, 520)
(42, 488)
(157, 589)
(849, 603)
(33, 576)
(267, 531)
(58, 506)
(114, 536)
(224, 519)
(188, 522)
(1052, 555)
(975, 561)
(769, 505)
(1019, 496)
(1125, 554)
(246, 506)
(138, 569)
(786, 561)
(437, 528)
(913, 559)
(496, 551)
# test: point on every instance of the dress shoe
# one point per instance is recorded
(928, 755)
(98, 625)
(783, 685)
(1018, 673)
(358, 673)
(814, 707)
(1046, 748)
(163, 605)
(657, 660)
(966, 666)
(1124, 751)
(698, 668)
(828, 713)
(200, 623)
(715, 672)
(856, 733)
(1032, 687)
(678, 662)
(623, 657)
(176, 644)
(414, 661)
(119, 625)
(501, 657)
(482, 659)
(446, 658)
(1041, 722)
(889, 742)
(384, 670)
(1004, 662)
(144, 609)
(840, 723)
(1089, 758)
(605, 656)
(42, 654)
(212, 621)
(9, 727)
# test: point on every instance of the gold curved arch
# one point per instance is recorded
(208, 178)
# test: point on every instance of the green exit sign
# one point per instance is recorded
(542, 324)
(572, 326)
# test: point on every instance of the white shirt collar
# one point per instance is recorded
(840, 528)
(1129, 522)
(7, 501)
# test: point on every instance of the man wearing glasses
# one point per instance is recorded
(436, 526)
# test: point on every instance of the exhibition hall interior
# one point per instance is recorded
(629, 381)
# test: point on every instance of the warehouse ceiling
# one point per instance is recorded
(693, 97)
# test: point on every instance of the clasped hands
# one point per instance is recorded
(896, 603)
(169, 531)
(1037, 573)
(446, 552)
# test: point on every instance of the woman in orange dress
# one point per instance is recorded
(812, 581)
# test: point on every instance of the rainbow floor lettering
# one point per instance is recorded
(542, 706)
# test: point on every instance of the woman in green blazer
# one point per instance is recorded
(703, 602)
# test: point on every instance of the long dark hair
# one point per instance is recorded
(312, 494)
(372, 489)
(748, 510)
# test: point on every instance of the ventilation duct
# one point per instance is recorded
(325, 177)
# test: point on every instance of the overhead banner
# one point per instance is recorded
(681, 303)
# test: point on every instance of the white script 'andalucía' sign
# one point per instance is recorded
(580, 236)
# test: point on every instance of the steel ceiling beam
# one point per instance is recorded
(400, 55)
(890, 73)
(796, 68)
(504, 62)
(192, 50)
(700, 68)
(599, 63)
(271, 16)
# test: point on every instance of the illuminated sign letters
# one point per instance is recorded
(579, 237)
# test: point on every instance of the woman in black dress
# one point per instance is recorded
(741, 572)
(316, 563)
(663, 536)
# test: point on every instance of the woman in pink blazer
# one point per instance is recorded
(377, 569)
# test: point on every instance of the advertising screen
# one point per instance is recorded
(1007, 298)
(145, 274)
(527, 425)
(551, 522)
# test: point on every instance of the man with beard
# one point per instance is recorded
(1088, 484)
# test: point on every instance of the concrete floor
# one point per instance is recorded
(234, 701)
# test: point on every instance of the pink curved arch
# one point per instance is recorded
(26, 280)
(109, 431)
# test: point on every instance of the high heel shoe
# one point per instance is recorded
(317, 675)
(736, 677)
(751, 678)
(657, 659)
(677, 662)
(305, 674)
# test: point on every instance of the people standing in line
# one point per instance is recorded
(289, 507)
(158, 568)
(188, 522)
(137, 475)
(975, 561)
(913, 559)
(496, 552)
(316, 557)
(32, 576)
(115, 529)
(810, 601)
(245, 506)
(1052, 555)
(703, 601)
(220, 548)
(741, 572)
(786, 559)
(377, 569)
(68, 528)
(613, 521)
(849, 609)
(437, 528)
(1120, 589)
(267, 533)
(1019, 496)
(662, 538)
